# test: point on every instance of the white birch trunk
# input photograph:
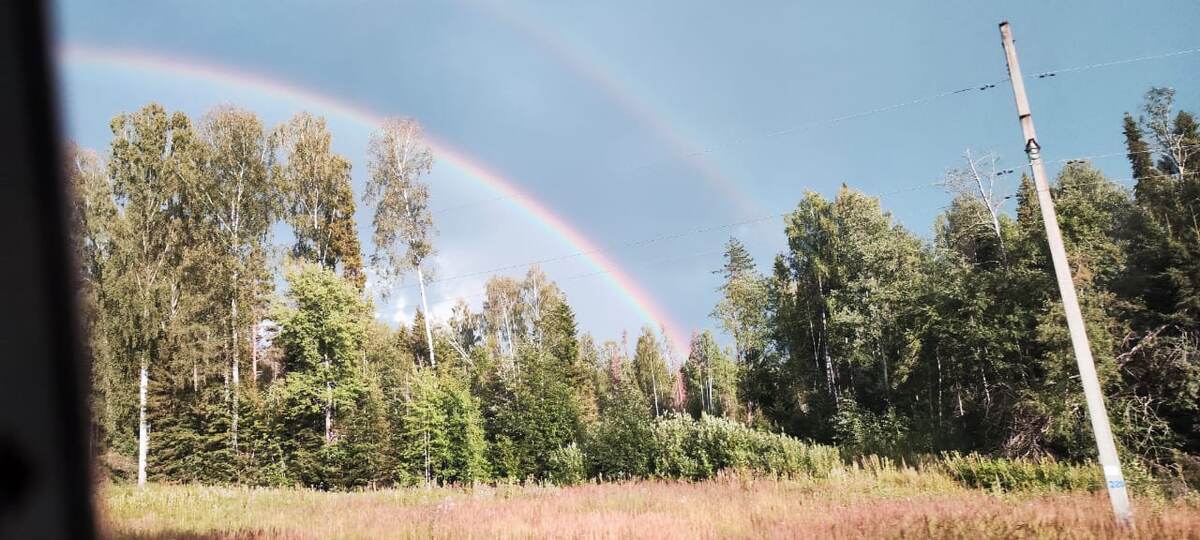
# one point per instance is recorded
(253, 354)
(143, 426)
(328, 407)
(654, 388)
(425, 308)
(233, 329)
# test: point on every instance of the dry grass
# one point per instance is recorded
(854, 504)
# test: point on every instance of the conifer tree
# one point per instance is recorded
(742, 308)
(324, 384)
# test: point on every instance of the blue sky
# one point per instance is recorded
(619, 115)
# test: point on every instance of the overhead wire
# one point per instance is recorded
(1086, 67)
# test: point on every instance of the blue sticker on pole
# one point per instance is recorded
(1114, 484)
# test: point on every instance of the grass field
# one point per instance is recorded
(898, 504)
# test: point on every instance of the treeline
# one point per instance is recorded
(864, 336)
(210, 368)
(218, 357)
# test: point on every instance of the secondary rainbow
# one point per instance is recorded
(590, 68)
(475, 169)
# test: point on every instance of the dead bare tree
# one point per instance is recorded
(977, 182)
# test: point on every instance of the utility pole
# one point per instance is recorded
(1117, 492)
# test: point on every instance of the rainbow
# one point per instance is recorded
(591, 69)
(620, 280)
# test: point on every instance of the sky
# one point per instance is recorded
(621, 143)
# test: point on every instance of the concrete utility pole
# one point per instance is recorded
(1117, 493)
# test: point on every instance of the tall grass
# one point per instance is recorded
(857, 501)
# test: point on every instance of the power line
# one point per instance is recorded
(835, 120)
(1085, 67)
(1119, 181)
(1122, 153)
(926, 99)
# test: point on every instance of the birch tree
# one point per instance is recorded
(149, 149)
(235, 190)
(650, 372)
(318, 199)
(1172, 137)
(403, 225)
(504, 315)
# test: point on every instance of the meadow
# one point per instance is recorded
(850, 503)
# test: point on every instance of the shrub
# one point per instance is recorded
(679, 446)
(976, 471)
(674, 443)
(566, 465)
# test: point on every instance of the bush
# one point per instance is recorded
(976, 471)
(566, 466)
(681, 447)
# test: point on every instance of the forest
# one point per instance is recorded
(219, 357)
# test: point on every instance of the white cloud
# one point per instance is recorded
(442, 295)
(399, 314)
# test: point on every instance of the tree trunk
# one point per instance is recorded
(425, 308)
(654, 388)
(830, 379)
(328, 406)
(143, 426)
(708, 364)
(427, 471)
(253, 354)
(233, 338)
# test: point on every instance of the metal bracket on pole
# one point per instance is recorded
(1033, 149)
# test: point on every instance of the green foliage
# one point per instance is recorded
(533, 411)
(533, 381)
(620, 443)
(649, 372)
(843, 290)
(440, 437)
(742, 310)
(974, 470)
(325, 414)
(862, 335)
(710, 379)
(699, 449)
(678, 446)
(860, 432)
(316, 191)
(566, 466)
